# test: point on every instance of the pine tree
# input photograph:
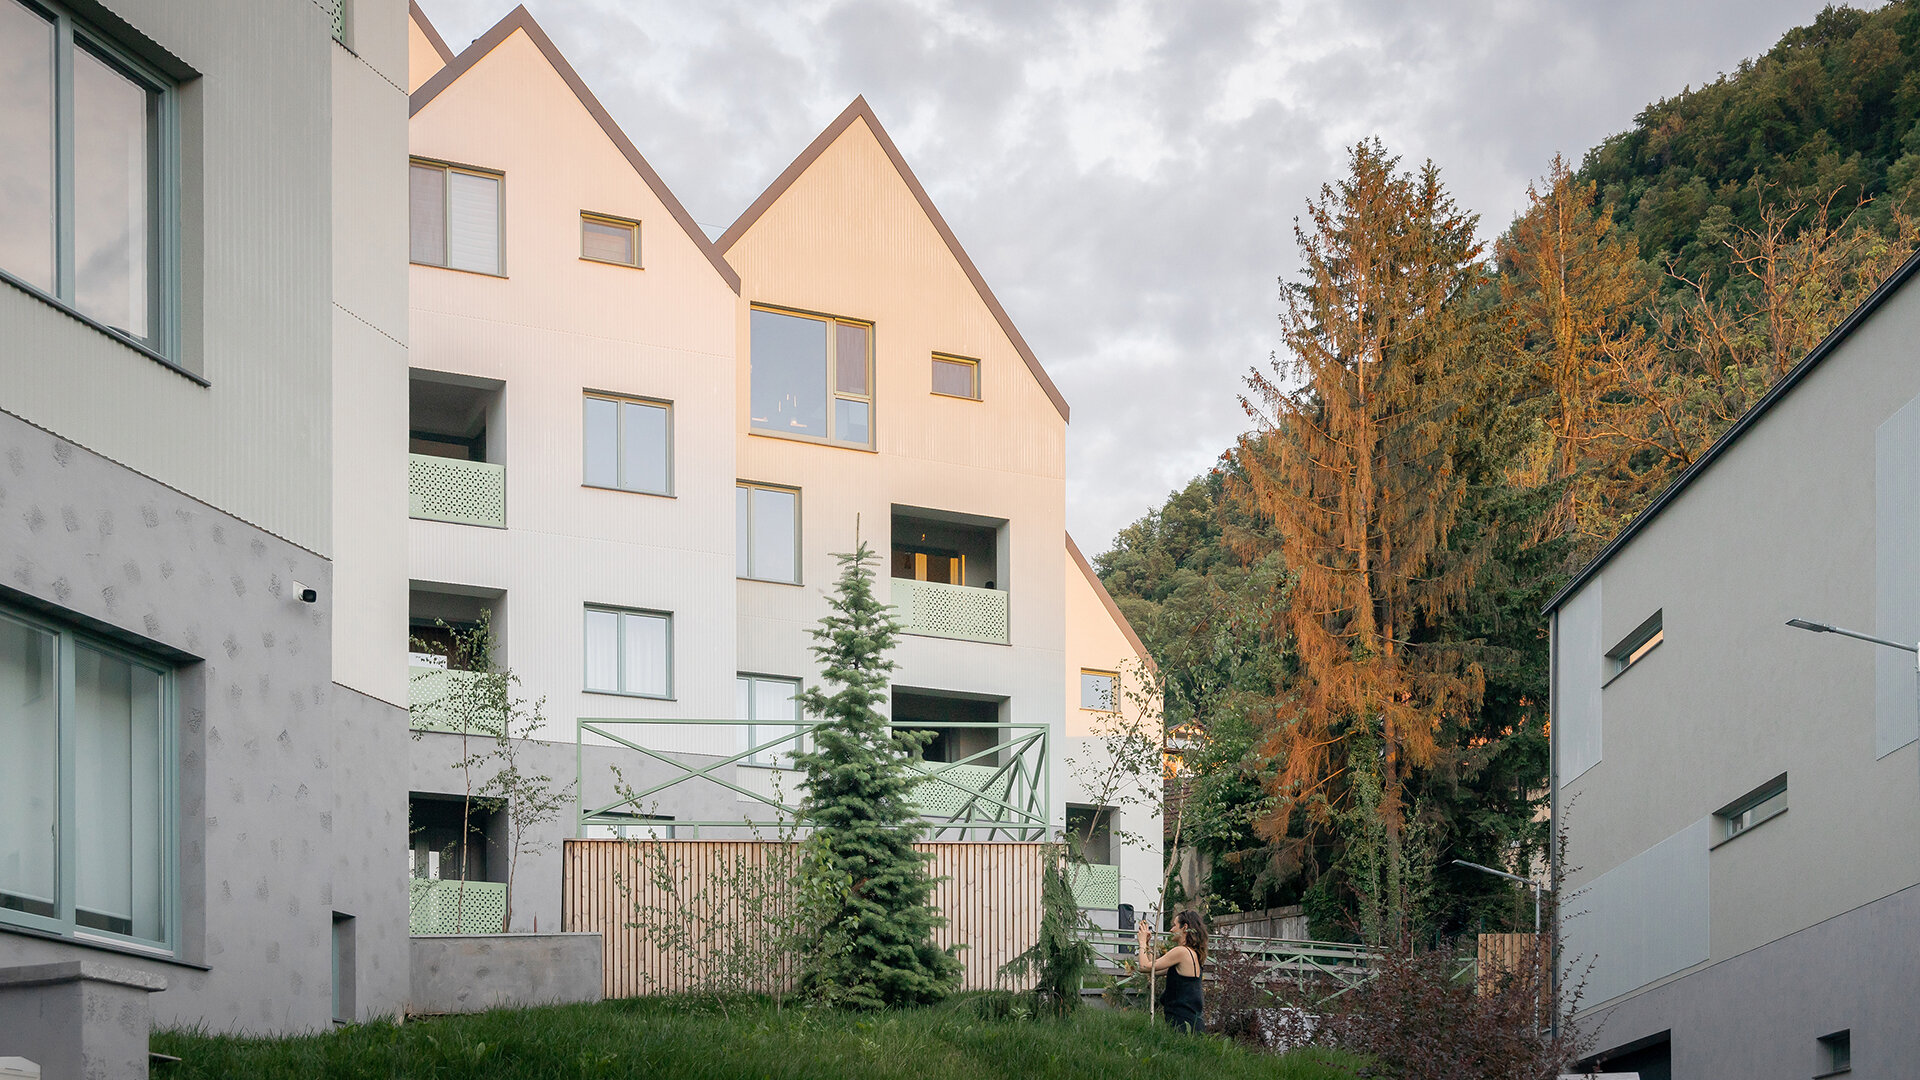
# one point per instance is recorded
(1355, 463)
(875, 945)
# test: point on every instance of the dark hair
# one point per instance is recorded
(1196, 933)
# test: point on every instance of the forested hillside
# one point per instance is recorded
(1346, 608)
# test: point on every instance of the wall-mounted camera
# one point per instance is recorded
(306, 594)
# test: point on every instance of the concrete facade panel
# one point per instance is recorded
(1644, 919)
(1896, 576)
(1578, 658)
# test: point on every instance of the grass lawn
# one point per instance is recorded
(697, 1040)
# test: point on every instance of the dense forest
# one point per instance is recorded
(1346, 610)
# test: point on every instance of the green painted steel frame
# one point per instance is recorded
(71, 32)
(1033, 778)
(66, 923)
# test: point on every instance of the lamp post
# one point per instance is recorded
(1828, 628)
(1510, 877)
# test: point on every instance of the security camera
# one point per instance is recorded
(306, 595)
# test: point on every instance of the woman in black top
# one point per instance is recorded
(1182, 1001)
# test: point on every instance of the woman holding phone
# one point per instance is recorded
(1182, 1001)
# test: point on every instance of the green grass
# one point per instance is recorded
(688, 1040)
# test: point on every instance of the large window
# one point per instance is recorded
(770, 710)
(86, 786)
(812, 377)
(86, 167)
(629, 444)
(454, 217)
(766, 523)
(629, 652)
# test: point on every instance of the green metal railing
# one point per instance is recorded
(1001, 792)
(442, 700)
(1095, 886)
(934, 609)
(1340, 965)
(453, 907)
(462, 492)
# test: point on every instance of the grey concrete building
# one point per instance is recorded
(1742, 797)
(202, 302)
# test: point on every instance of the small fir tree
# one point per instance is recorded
(874, 948)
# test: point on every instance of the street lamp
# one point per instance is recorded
(1510, 877)
(1827, 628)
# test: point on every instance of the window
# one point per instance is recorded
(343, 964)
(629, 444)
(812, 377)
(770, 710)
(767, 533)
(1836, 1053)
(86, 182)
(86, 786)
(1097, 690)
(1632, 648)
(609, 239)
(454, 215)
(1751, 809)
(629, 652)
(956, 376)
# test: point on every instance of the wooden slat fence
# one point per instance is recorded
(1502, 953)
(991, 898)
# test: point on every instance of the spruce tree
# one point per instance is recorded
(875, 945)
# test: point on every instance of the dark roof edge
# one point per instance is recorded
(1752, 416)
(521, 19)
(859, 110)
(433, 34)
(1113, 609)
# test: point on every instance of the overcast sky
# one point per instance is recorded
(1126, 173)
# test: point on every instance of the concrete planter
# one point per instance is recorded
(467, 973)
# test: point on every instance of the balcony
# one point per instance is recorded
(951, 611)
(462, 492)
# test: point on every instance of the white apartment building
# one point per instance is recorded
(640, 450)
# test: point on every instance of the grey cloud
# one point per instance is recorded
(1126, 173)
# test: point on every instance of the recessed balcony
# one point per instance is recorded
(946, 579)
(454, 472)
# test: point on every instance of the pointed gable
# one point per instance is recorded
(1099, 589)
(427, 51)
(859, 116)
(519, 20)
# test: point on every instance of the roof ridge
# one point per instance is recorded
(433, 33)
(521, 19)
(861, 110)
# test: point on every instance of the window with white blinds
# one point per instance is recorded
(629, 652)
(454, 217)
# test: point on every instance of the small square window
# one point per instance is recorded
(1097, 690)
(1635, 646)
(1766, 801)
(1836, 1053)
(956, 376)
(628, 444)
(629, 652)
(609, 239)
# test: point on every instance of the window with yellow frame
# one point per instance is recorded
(1099, 690)
(608, 239)
(812, 377)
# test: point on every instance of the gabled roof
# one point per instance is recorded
(520, 19)
(860, 110)
(1106, 599)
(1741, 426)
(433, 36)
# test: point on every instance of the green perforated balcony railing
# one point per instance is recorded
(951, 611)
(442, 700)
(455, 907)
(462, 492)
(1096, 886)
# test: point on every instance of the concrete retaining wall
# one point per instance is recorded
(475, 972)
